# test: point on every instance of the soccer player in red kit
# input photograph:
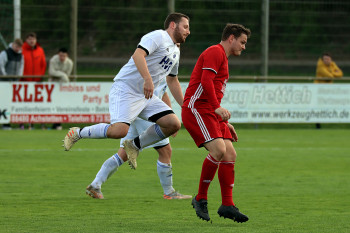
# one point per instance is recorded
(207, 121)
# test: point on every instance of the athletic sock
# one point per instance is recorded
(108, 168)
(226, 176)
(94, 131)
(150, 136)
(165, 174)
(209, 167)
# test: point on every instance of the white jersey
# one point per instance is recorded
(161, 89)
(162, 59)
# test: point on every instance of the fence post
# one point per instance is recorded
(171, 6)
(17, 19)
(74, 35)
(265, 38)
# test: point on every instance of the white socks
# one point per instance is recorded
(94, 131)
(111, 165)
(165, 176)
(151, 135)
(107, 169)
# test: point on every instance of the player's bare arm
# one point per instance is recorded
(175, 89)
(224, 113)
(140, 62)
(166, 99)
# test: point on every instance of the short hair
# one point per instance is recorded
(63, 50)
(18, 42)
(174, 17)
(234, 29)
(31, 34)
(326, 54)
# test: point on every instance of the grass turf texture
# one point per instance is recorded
(286, 181)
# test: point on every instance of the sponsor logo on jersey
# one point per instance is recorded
(166, 63)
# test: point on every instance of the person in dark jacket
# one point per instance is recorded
(11, 63)
(11, 60)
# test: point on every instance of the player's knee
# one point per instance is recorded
(175, 126)
(218, 153)
(221, 155)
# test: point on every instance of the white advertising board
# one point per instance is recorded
(87, 102)
(27, 102)
(285, 103)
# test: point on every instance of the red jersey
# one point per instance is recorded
(208, 80)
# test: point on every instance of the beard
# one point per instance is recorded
(177, 36)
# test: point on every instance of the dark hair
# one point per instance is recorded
(31, 34)
(326, 54)
(234, 29)
(174, 17)
(18, 41)
(63, 50)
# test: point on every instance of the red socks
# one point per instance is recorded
(227, 179)
(226, 176)
(209, 167)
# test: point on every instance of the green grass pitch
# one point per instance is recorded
(287, 180)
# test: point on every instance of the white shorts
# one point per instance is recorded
(136, 128)
(125, 106)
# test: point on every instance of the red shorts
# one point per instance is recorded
(204, 125)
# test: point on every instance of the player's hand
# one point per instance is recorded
(233, 132)
(224, 113)
(148, 88)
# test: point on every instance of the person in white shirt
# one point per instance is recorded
(164, 166)
(131, 96)
(60, 67)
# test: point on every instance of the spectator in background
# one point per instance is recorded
(34, 58)
(34, 62)
(326, 68)
(11, 63)
(11, 60)
(60, 67)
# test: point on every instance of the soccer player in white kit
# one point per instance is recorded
(164, 167)
(131, 96)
